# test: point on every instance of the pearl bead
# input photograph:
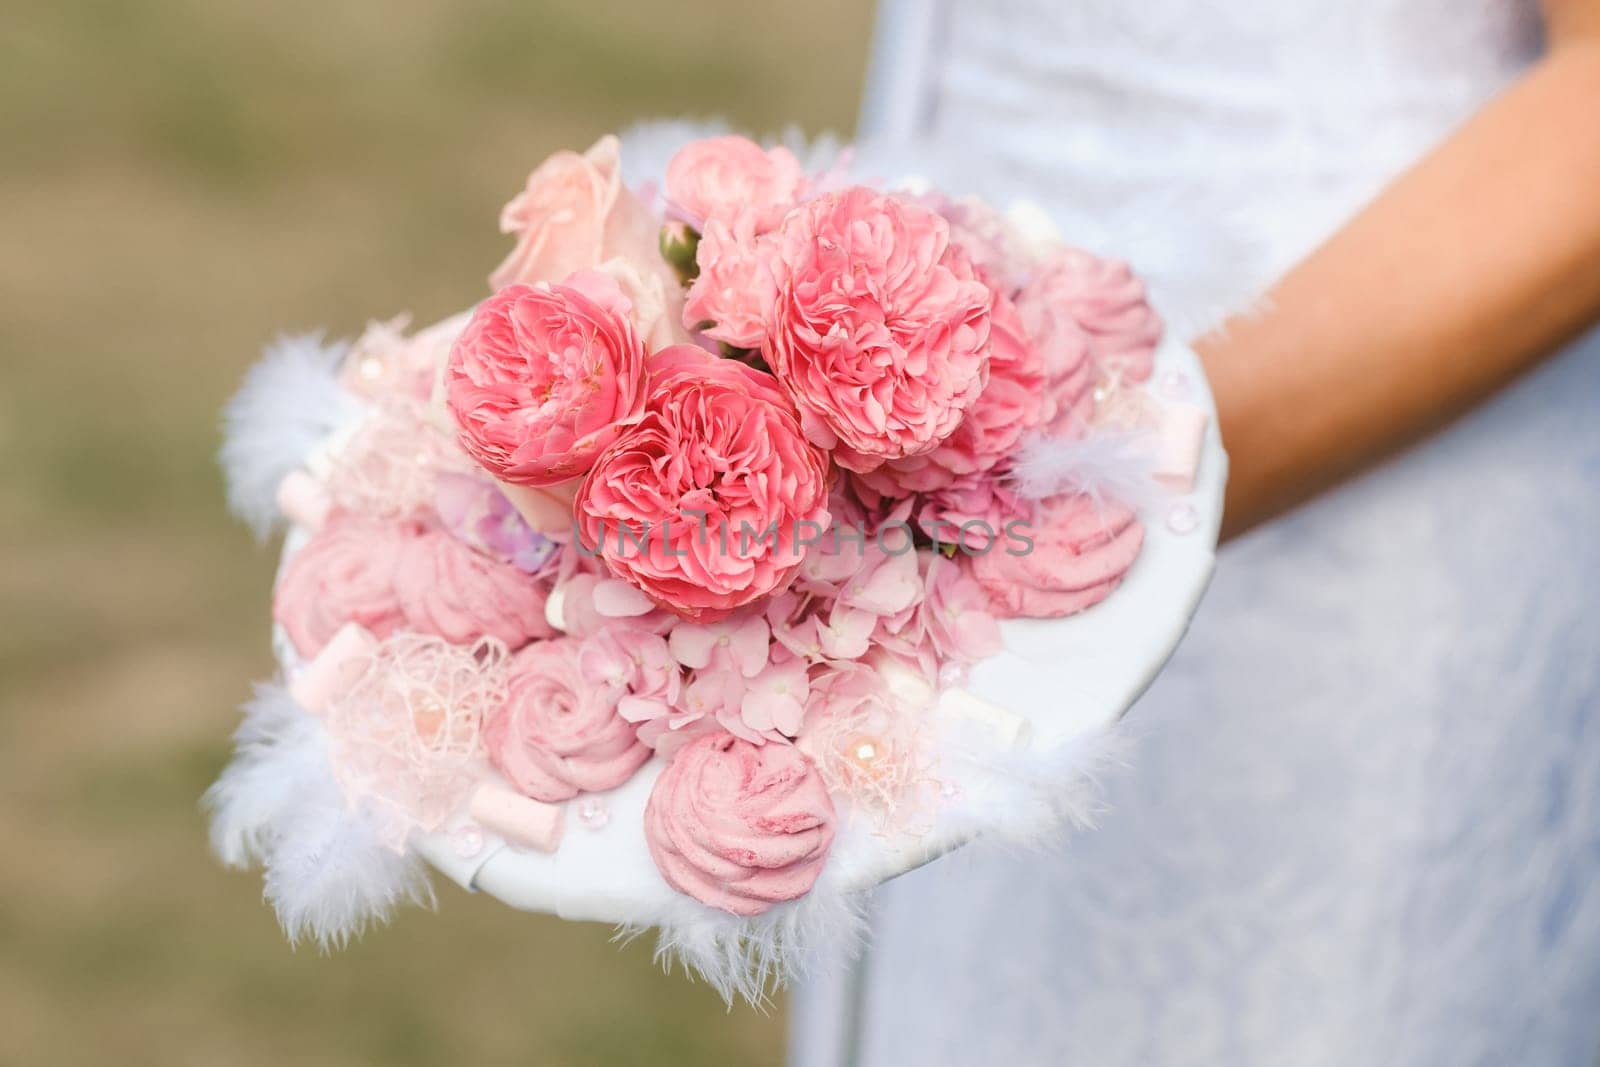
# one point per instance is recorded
(1182, 518)
(467, 841)
(593, 813)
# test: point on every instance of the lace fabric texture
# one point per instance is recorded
(1362, 825)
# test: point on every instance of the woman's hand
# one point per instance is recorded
(1474, 264)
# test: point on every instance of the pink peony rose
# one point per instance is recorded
(557, 734)
(1079, 552)
(545, 377)
(734, 290)
(1014, 402)
(880, 331)
(1104, 300)
(574, 214)
(451, 591)
(701, 504)
(737, 826)
(344, 573)
(720, 177)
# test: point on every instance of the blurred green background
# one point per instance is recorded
(179, 181)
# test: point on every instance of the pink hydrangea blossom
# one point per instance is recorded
(749, 686)
(738, 826)
(720, 177)
(950, 620)
(880, 331)
(557, 734)
(704, 502)
(543, 378)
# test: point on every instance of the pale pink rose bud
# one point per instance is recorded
(880, 330)
(722, 176)
(738, 826)
(543, 378)
(557, 734)
(679, 242)
(704, 503)
(574, 214)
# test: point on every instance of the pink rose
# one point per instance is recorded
(451, 591)
(557, 735)
(1015, 401)
(734, 290)
(575, 214)
(737, 826)
(722, 176)
(703, 502)
(545, 377)
(1079, 552)
(344, 573)
(880, 331)
(1101, 297)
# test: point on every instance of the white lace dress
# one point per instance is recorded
(1363, 824)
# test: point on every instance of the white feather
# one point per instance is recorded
(749, 958)
(1024, 802)
(278, 804)
(1107, 465)
(329, 875)
(289, 402)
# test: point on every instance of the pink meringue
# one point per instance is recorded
(738, 826)
(557, 734)
(447, 589)
(1079, 551)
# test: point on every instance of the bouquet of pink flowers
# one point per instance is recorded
(695, 537)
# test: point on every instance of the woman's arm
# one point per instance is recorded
(1476, 262)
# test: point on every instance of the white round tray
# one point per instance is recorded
(1070, 678)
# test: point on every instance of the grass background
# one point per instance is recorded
(180, 180)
